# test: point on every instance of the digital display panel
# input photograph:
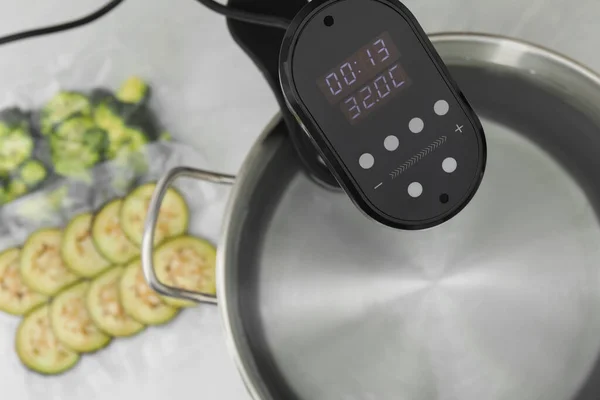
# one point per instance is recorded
(365, 81)
(368, 88)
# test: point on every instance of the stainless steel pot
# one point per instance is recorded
(500, 303)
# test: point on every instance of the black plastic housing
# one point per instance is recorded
(325, 33)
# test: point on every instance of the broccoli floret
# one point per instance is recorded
(78, 147)
(96, 139)
(76, 155)
(107, 117)
(80, 154)
(114, 115)
(15, 147)
(32, 173)
(130, 140)
(74, 129)
(134, 90)
(93, 138)
(61, 107)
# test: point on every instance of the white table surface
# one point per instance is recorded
(218, 103)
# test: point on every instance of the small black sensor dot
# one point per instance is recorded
(328, 20)
(444, 198)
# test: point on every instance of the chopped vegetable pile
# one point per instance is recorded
(73, 132)
(81, 286)
(20, 170)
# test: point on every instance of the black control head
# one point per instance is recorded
(366, 84)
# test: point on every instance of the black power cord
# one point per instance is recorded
(230, 12)
(246, 16)
(61, 27)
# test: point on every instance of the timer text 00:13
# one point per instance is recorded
(356, 70)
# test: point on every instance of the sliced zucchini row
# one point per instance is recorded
(172, 220)
(105, 307)
(15, 297)
(140, 301)
(38, 348)
(42, 267)
(71, 321)
(109, 237)
(186, 262)
(78, 249)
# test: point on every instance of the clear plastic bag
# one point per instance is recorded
(127, 364)
(77, 116)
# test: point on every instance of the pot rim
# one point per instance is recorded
(508, 52)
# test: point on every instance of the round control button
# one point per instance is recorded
(441, 107)
(449, 165)
(366, 161)
(415, 189)
(391, 143)
(416, 125)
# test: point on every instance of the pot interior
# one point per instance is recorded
(500, 303)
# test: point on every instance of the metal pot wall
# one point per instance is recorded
(501, 302)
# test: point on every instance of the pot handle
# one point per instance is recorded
(148, 238)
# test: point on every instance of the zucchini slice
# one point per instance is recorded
(78, 249)
(109, 237)
(42, 267)
(15, 297)
(186, 262)
(38, 348)
(105, 307)
(172, 219)
(141, 302)
(71, 322)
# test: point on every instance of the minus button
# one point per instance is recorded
(380, 183)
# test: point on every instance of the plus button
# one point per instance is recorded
(459, 128)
